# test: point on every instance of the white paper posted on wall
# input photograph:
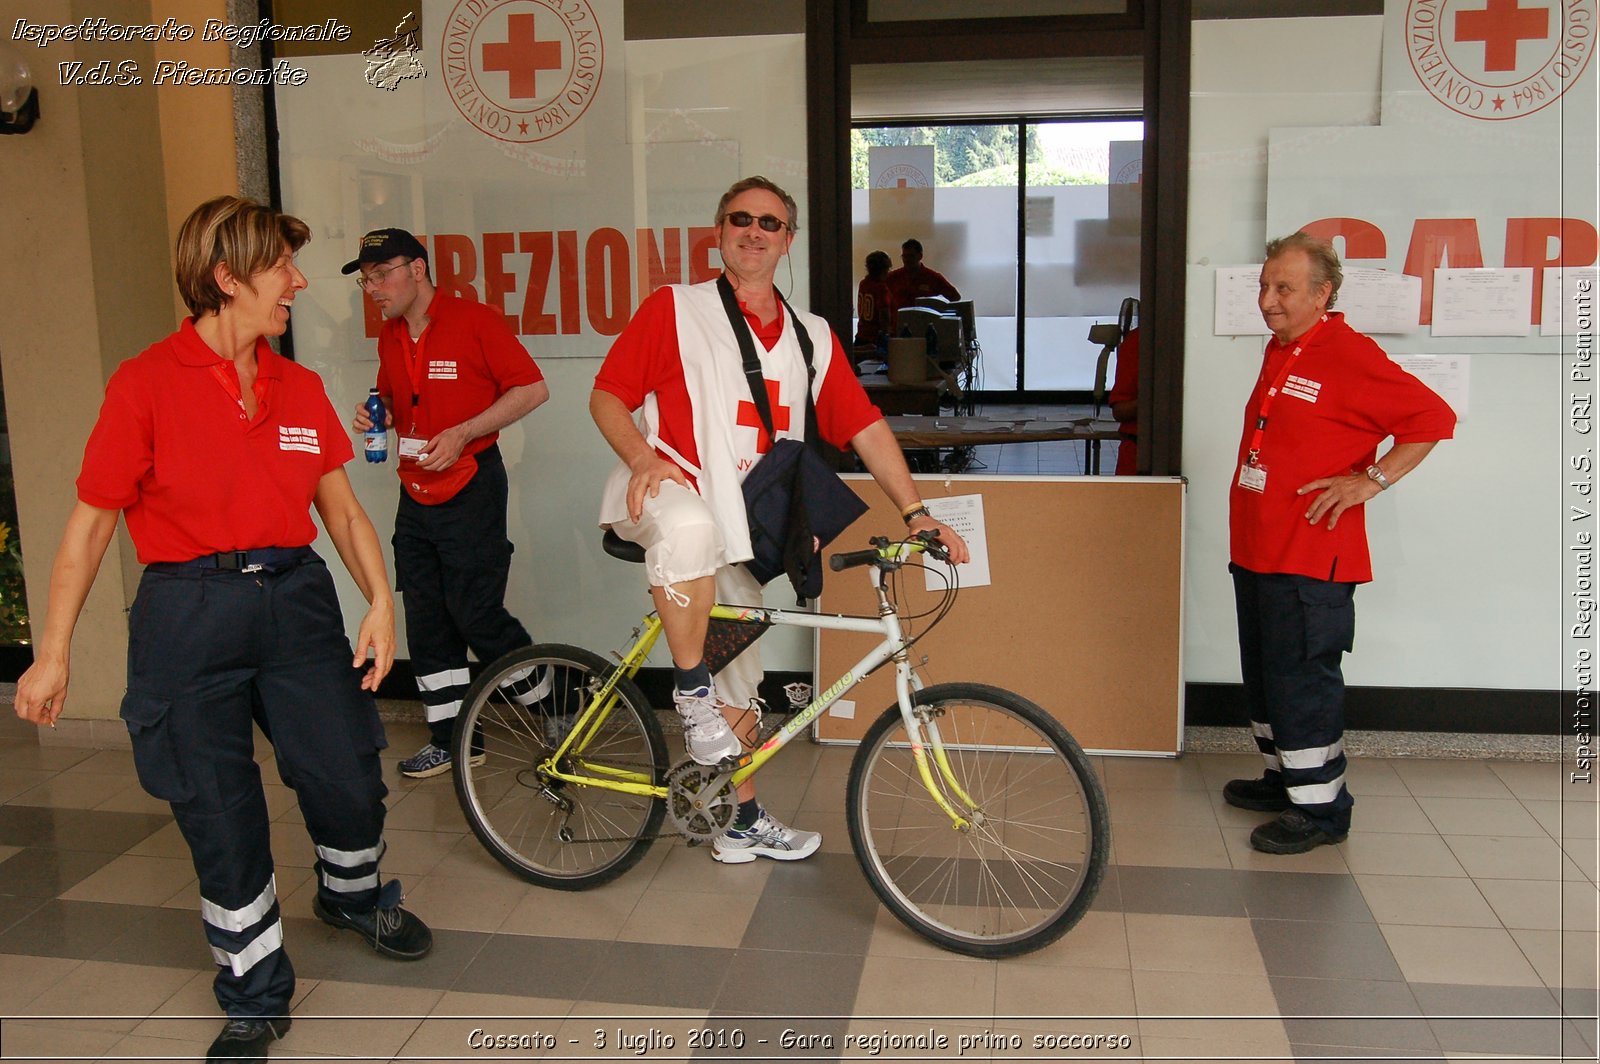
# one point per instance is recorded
(964, 513)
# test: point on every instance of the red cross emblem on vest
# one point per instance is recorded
(749, 415)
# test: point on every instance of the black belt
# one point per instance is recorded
(263, 559)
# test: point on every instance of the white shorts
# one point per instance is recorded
(681, 542)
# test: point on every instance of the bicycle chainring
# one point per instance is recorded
(701, 801)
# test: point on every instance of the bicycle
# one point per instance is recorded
(975, 815)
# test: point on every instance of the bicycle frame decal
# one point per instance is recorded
(741, 614)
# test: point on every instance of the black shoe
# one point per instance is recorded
(389, 929)
(1263, 795)
(1293, 832)
(246, 1039)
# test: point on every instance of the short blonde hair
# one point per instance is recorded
(240, 232)
(1325, 268)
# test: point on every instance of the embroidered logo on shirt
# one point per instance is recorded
(293, 438)
(1301, 388)
(440, 370)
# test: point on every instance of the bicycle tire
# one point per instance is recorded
(519, 817)
(1031, 863)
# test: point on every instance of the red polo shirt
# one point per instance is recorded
(1343, 397)
(467, 358)
(174, 449)
(906, 286)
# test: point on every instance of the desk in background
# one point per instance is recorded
(920, 397)
(951, 431)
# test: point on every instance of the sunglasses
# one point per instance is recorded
(743, 220)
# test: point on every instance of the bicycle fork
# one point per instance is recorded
(904, 680)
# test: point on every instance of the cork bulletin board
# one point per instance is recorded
(1084, 614)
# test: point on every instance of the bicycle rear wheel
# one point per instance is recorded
(557, 834)
(1030, 863)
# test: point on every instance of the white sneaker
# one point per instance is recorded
(767, 837)
(705, 729)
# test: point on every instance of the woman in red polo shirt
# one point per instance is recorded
(215, 448)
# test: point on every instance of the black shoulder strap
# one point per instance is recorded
(752, 362)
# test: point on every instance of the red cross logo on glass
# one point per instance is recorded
(1500, 26)
(749, 415)
(522, 55)
(1498, 60)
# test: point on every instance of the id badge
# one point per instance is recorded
(1251, 477)
(411, 448)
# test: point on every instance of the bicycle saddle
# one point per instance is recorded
(618, 547)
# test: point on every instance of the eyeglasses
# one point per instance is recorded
(377, 277)
(744, 219)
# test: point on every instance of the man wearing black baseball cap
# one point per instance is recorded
(451, 376)
(381, 245)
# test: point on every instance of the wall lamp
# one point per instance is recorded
(19, 97)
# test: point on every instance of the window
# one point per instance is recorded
(1035, 220)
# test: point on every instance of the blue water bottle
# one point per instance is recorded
(377, 437)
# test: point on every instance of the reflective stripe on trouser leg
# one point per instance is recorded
(348, 872)
(1312, 764)
(442, 692)
(244, 937)
(527, 686)
(1269, 753)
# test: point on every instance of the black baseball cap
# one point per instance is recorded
(381, 245)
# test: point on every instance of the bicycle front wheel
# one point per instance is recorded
(1030, 860)
(548, 831)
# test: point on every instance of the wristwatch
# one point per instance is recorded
(1375, 475)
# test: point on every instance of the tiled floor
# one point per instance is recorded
(1458, 921)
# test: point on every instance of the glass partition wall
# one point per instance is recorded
(1035, 220)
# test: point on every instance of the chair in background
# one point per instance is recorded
(1109, 336)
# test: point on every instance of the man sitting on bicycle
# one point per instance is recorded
(676, 492)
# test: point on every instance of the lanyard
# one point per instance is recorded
(414, 364)
(230, 384)
(1272, 393)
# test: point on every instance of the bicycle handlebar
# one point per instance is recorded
(886, 553)
(850, 559)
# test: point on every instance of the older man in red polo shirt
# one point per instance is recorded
(1325, 398)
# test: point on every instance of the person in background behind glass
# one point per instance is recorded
(1124, 400)
(872, 302)
(914, 281)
